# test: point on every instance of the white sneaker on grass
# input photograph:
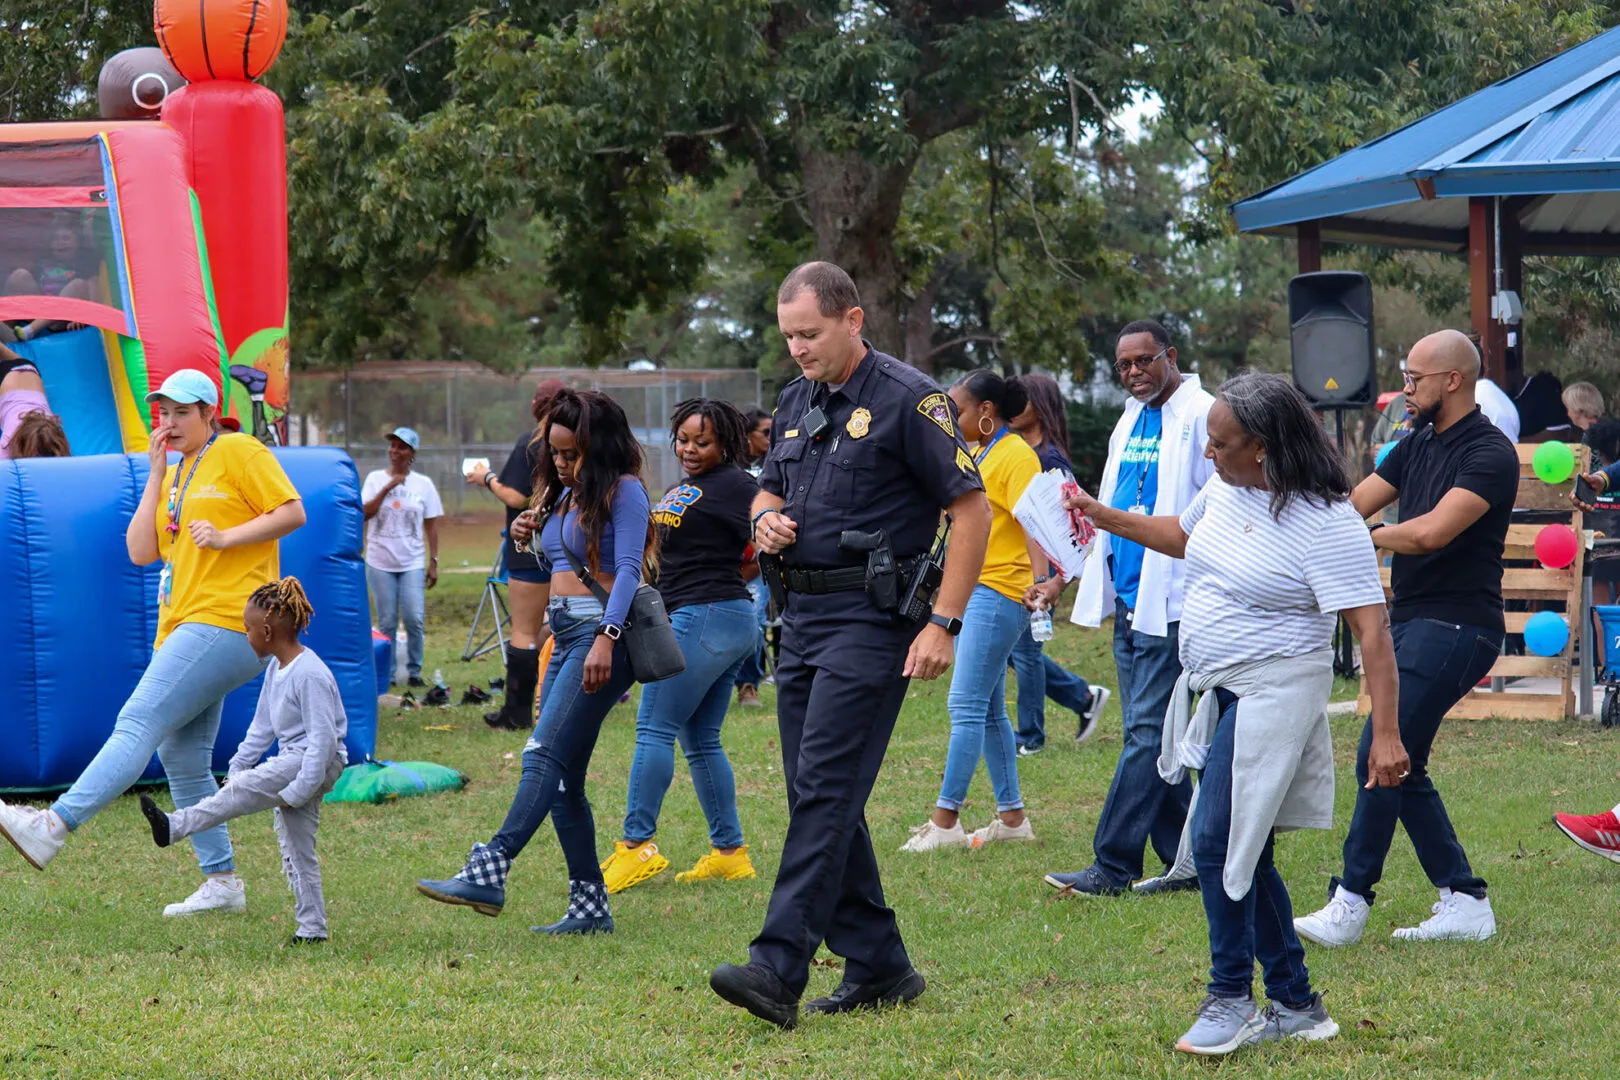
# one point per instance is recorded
(215, 894)
(999, 830)
(930, 837)
(1340, 923)
(36, 834)
(1457, 917)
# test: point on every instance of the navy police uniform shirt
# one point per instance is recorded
(890, 458)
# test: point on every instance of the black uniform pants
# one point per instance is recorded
(838, 693)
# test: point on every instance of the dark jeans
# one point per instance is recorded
(838, 693)
(1439, 662)
(1261, 925)
(556, 756)
(1040, 677)
(1140, 806)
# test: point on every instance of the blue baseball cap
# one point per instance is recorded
(186, 387)
(407, 436)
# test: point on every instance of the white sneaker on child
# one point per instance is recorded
(36, 834)
(215, 894)
(930, 837)
(1456, 917)
(999, 830)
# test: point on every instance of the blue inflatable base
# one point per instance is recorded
(80, 618)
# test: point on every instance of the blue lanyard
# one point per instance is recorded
(179, 501)
(991, 445)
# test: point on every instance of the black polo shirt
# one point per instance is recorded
(890, 458)
(1462, 582)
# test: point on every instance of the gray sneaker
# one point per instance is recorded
(1311, 1023)
(1223, 1025)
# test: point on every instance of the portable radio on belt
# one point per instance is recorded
(919, 599)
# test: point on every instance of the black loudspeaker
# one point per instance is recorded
(1330, 327)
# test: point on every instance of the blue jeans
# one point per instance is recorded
(396, 593)
(714, 638)
(752, 672)
(1259, 926)
(978, 701)
(174, 712)
(1438, 662)
(1040, 677)
(1141, 807)
(557, 754)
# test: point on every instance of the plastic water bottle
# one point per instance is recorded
(1040, 623)
(438, 676)
(401, 655)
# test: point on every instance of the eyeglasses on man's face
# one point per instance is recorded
(1410, 380)
(1123, 366)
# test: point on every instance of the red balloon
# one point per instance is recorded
(1556, 546)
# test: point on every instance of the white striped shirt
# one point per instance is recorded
(1258, 587)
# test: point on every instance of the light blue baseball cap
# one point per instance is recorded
(408, 436)
(187, 386)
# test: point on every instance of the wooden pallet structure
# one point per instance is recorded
(1551, 589)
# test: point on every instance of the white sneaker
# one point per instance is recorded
(36, 834)
(215, 894)
(1000, 830)
(930, 837)
(1093, 713)
(1457, 917)
(1340, 923)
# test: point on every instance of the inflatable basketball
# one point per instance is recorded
(221, 39)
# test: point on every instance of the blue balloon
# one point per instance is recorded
(1383, 452)
(1546, 633)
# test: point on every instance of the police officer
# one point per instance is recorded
(862, 442)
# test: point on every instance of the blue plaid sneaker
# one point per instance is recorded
(481, 884)
(587, 911)
(1223, 1025)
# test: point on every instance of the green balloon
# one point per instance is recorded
(1554, 461)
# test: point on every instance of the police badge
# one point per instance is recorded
(860, 423)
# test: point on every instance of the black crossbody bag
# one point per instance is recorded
(649, 640)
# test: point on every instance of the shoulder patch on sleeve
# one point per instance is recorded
(937, 409)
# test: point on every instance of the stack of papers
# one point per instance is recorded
(1065, 536)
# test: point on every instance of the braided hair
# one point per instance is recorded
(285, 602)
(731, 428)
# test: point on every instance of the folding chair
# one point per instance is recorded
(494, 600)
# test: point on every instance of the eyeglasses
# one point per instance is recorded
(1411, 380)
(1123, 367)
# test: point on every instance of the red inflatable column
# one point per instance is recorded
(236, 135)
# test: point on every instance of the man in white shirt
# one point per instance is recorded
(1498, 408)
(402, 509)
(1156, 465)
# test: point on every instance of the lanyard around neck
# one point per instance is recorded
(177, 492)
(991, 445)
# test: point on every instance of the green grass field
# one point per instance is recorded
(97, 984)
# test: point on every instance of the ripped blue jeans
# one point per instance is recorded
(557, 754)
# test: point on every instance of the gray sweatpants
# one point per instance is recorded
(256, 790)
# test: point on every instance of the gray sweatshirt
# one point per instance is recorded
(300, 707)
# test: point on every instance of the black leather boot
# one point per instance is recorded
(522, 676)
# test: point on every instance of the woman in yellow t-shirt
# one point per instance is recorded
(213, 519)
(991, 625)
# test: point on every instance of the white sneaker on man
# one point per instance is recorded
(930, 837)
(215, 894)
(1456, 917)
(999, 830)
(36, 834)
(1340, 923)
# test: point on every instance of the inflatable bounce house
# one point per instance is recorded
(131, 247)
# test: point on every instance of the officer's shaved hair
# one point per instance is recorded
(835, 292)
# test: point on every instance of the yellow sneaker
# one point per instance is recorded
(733, 867)
(629, 866)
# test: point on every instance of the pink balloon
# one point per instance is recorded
(1555, 546)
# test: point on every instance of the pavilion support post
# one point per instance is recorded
(1482, 285)
(1513, 281)
(1309, 234)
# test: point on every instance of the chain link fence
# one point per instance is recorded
(465, 411)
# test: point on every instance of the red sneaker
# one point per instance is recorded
(1597, 833)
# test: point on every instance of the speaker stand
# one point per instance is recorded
(1344, 642)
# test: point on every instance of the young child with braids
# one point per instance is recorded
(300, 707)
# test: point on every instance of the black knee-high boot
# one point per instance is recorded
(522, 677)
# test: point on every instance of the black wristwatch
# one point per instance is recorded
(609, 631)
(951, 626)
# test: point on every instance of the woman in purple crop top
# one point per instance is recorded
(589, 496)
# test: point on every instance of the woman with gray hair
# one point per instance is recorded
(1274, 553)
